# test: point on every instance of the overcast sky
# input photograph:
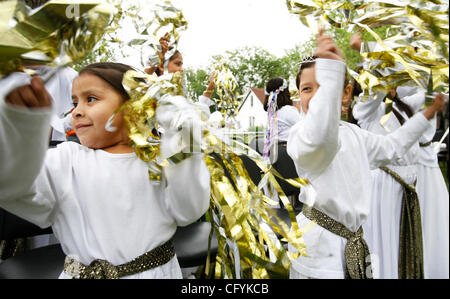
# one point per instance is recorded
(215, 26)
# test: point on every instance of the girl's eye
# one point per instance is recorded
(75, 105)
(306, 89)
(91, 99)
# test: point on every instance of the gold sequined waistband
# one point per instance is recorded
(357, 256)
(425, 144)
(101, 269)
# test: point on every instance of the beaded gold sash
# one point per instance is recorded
(357, 255)
(101, 269)
(410, 260)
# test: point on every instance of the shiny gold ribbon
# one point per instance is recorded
(248, 244)
(415, 51)
(57, 33)
(240, 213)
(226, 88)
(410, 264)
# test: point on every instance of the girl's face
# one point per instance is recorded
(95, 101)
(308, 87)
(176, 64)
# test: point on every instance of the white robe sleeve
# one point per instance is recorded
(383, 150)
(415, 101)
(203, 104)
(188, 182)
(188, 189)
(370, 111)
(313, 141)
(24, 137)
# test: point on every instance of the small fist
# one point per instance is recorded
(440, 102)
(164, 42)
(326, 48)
(33, 95)
(356, 42)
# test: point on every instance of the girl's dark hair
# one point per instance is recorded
(283, 98)
(110, 72)
(356, 91)
(175, 55)
(308, 62)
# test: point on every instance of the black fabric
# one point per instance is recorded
(253, 170)
(191, 244)
(42, 263)
(285, 166)
(13, 227)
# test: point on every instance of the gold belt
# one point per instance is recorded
(410, 261)
(425, 144)
(101, 269)
(357, 255)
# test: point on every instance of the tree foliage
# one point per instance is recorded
(102, 53)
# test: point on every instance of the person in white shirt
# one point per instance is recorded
(434, 205)
(418, 167)
(97, 196)
(336, 158)
(60, 89)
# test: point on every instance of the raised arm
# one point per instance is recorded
(24, 136)
(313, 142)
(370, 111)
(383, 150)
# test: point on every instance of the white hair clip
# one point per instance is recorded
(280, 89)
(283, 86)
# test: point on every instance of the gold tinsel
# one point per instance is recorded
(415, 51)
(57, 33)
(226, 88)
(241, 214)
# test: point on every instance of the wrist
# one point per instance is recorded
(429, 112)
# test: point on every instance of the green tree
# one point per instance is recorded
(290, 62)
(102, 53)
(252, 67)
(196, 82)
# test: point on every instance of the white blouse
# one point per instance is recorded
(287, 116)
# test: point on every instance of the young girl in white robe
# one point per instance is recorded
(433, 196)
(336, 158)
(419, 166)
(383, 226)
(110, 219)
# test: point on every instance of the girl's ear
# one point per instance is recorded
(346, 96)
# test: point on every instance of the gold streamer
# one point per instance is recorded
(226, 88)
(248, 237)
(244, 223)
(415, 51)
(57, 33)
